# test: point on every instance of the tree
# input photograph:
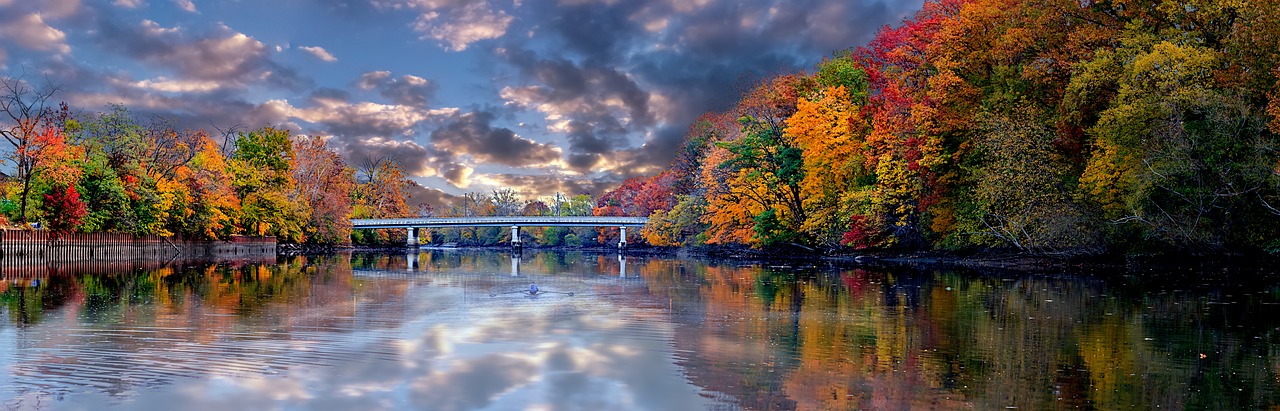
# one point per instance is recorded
(731, 200)
(261, 176)
(829, 132)
(381, 191)
(1177, 157)
(772, 169)
(325, 183)
(214, 207)
(1020, 199)
(63, 208)
(681, 226)
(535, 208)
(505, 202)
(29, 111)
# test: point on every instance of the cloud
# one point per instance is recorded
(598, 108)
(543, 185)
(458, 23)
(472, 134)
(178, 86)
(360, 119)
(623, 80)
(31, 31)
(128, 4)
(320, 53)
(436, 198)
(457, 174)
(59, 9)
(229, 57)
(408, 154)
(186, 5)
(407, 90)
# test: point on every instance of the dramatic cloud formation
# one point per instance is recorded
(542, 96)
(471, 134)
(222, 55)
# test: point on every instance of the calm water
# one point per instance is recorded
(459, 331)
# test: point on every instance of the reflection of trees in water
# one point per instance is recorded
(190, 318)
(854, 339)
(25, 302)
(242, 288)
(771, 338)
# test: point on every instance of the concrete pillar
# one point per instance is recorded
(412, 238)
(622, 238)
(515, 237)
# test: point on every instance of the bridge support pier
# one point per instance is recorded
(622, 238)
(412, 240)
(515, 238)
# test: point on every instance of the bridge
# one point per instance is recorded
(515, 222)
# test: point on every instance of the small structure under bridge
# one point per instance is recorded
(515, 222)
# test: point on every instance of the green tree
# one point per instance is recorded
(261, 177)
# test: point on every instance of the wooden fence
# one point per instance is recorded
(25, 252)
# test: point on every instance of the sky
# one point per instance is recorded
(541, 96)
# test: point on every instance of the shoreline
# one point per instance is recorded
(986, 259)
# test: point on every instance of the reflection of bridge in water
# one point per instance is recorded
(515, 222)
(412, 265)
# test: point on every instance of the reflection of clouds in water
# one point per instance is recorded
(471, 384)
(553, 354)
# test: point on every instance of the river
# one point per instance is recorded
(460, 330)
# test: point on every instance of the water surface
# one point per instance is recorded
(458, 330)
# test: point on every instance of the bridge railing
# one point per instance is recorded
(500, 221)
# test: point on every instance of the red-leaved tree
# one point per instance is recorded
(63, 209)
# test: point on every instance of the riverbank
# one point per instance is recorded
(978, 259)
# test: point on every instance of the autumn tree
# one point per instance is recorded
(731, 200)
(535, 208)
(213, 202)
(63, 208)
(829, 130)
(28, 112)
(680, 226)
(1020, 199)
(324, 183)
(381, 191)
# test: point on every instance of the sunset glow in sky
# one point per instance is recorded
(469, 95)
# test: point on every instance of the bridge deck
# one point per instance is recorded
(520, 221)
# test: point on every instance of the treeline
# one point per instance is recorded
(1041, 125)
(116, 172)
